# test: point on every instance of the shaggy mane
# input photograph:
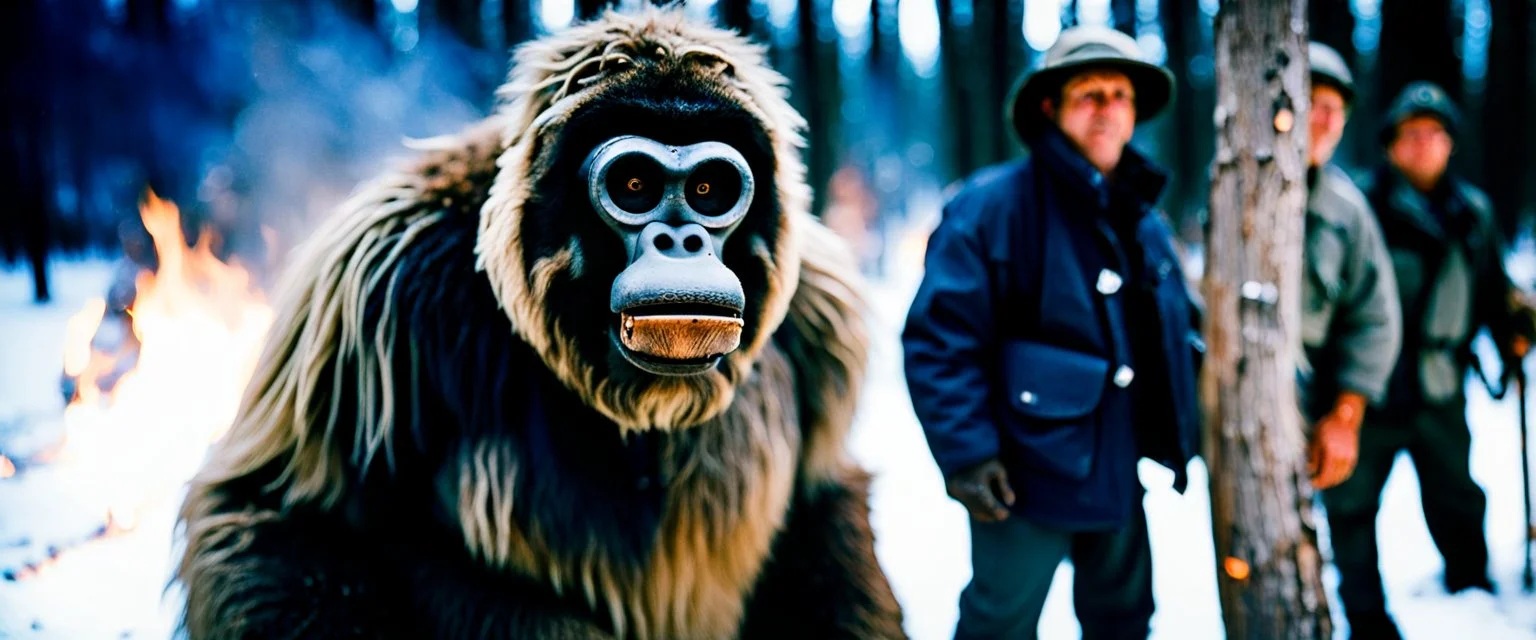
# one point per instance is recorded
(319, 411)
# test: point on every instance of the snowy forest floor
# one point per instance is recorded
(114, 586)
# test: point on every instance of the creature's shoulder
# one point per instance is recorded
(826, 341)
(392, 265)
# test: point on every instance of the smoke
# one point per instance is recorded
(266, 115)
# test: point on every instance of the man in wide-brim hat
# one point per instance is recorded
(1052, 345)
(1087, 49)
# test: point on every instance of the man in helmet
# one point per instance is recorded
(1049, 347)
(1448, 262)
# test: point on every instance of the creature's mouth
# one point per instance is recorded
(677, 338)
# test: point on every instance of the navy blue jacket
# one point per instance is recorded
(1018, 345)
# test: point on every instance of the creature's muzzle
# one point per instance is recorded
(679, 308)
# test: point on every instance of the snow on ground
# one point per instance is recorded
(107, 588)
(113, 587)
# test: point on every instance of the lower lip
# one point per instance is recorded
(660, 367)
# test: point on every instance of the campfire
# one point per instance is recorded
(152, 377)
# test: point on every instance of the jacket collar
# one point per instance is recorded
(1327, 199)
(1136, 178)
(1413, 207)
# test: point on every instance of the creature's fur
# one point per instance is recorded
(434, 445)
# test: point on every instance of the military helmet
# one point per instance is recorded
(1328, 67)
(1420, 99)
(1076, 50)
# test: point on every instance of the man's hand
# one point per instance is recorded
(984, 491)
(1335, 446)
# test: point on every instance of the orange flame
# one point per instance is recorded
(197, 325)
(7, 469)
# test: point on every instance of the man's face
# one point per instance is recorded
(1326, 124)
(1421, 151)
(1098, 113)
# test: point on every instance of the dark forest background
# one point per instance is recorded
(264, 114)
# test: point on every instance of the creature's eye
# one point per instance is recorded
(714, 188)
(635, 183)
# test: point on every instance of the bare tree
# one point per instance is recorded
(1506, 112)
(1332, 22)
(823, 97)
(1418, 42)
(1269, 567)
(24, 121)
(589, 9)
(737, 15)
(463, 18)
(1190, 113)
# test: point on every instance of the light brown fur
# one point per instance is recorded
(557, 76)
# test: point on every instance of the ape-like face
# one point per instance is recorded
(651, 256)
(677, 308)
(653, 188)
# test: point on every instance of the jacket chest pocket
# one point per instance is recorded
(1051, 415)
(1323, 284)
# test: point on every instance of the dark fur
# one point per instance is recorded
(409, 464)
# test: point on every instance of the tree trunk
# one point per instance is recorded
(149, 18)
(952, 73)
(1006, 47)
(988, 82)
(1269, 570)
(737, 15)
(1191, 113)
(1506, 112)
(462, 17)
(589, 9)
(23, 123)
(1123, 16)
(1331, 22)
(1418, 42)
(823, 112)
(1529, 193)
(975, 81)
(365, 12)
(516, 23)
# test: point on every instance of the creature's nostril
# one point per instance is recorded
(692, 244)
(663, 242)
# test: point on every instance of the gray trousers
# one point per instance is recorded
(1012, 564)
